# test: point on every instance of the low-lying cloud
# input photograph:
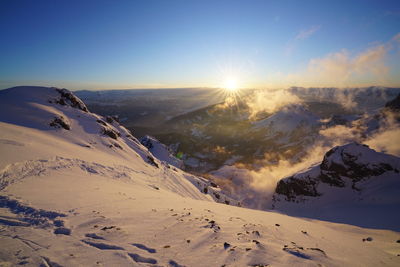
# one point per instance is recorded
(269, 101)
(257, 185)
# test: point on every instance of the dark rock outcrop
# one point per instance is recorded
(68, 98)
(352, 163)
(110, 132)
(60, 122)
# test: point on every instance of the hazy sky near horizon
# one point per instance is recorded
(95, 44)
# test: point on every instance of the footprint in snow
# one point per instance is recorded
(175, 264)
(62, 231)
(94, 236)
(48, 262)
(102, 246)
(138, 258)
(141, 246)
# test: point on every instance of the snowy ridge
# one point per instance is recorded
(64, 116)
(160, 151)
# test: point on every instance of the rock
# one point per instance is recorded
(110, 132)
(356, 162)
(60, 122)
(226, 245)
(68, 98)
(151, 160)
(292, 187)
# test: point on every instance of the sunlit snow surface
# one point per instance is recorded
(81, 198)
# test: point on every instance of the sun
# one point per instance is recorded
(230, 85)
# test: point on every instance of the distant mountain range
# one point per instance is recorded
(207, 134)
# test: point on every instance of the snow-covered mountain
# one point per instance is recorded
(288, 119)
(76, 189)
(73, 134)
(353, 184)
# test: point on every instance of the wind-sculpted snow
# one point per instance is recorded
(28, 215)
(18, 171)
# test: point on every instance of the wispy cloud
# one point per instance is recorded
(301, 35)
(343, 69)
(305, 33)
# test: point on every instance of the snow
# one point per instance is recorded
(370, 201)
(81, 198)
(161, 151)
(287, 120)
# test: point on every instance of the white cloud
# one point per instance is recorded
(269, 101)
(306, 33)
(342, 68)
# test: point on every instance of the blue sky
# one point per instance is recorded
(141, 44)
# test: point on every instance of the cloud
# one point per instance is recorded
(384, 141)
(341, 134)
(269, 101)
(256, 185)
(342, 68)
(301, 35)
(305, 33)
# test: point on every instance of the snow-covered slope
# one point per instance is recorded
(353, 184)
(76, 189)
(52, 125)
(160, 151)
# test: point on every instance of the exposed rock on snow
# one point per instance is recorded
(68, 98)
(351, 176)
(60, 122)
(349, 163)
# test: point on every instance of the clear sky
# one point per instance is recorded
(167, 43)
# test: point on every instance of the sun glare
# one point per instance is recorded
(230, 85)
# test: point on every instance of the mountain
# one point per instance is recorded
(145, 109)
(214, 136)
(394, 104)
(77, 189)
(353, 184)
(208, 133)
(364, 99)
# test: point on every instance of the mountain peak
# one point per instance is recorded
(350, 177)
